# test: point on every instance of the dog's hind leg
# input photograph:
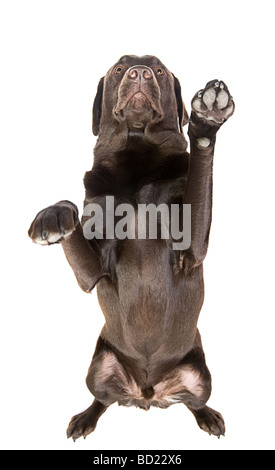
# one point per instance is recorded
(208, 419)
(107, 380)
(198, 380)
(195, 379)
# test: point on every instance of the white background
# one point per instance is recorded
(52, 55)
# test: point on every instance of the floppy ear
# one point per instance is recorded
(182, 113)
(97, 107)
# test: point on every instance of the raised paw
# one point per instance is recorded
(214, 103)
(210, 421)
(54, 224)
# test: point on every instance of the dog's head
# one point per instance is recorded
(138, 95)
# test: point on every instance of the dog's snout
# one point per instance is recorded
(140, 73)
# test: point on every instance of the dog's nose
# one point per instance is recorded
(140, 73)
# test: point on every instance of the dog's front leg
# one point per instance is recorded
(59, 223)
(211, 107)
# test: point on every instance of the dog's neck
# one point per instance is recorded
(138, 142)
(161, 142)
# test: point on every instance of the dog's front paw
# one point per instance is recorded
(214, 103)
(54, 224)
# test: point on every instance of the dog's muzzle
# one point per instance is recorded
(138, 92)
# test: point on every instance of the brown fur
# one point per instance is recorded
(149, 352)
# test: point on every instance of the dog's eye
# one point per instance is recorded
(160, 71)
(118, 69)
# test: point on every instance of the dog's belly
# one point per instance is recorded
(150, 311)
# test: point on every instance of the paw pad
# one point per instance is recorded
(203, 142)
(214, 102)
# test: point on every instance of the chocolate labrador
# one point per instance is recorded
(149, 352)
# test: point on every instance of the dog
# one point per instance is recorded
(149, 352)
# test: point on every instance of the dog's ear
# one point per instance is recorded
(97, 107)
(182, 113)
